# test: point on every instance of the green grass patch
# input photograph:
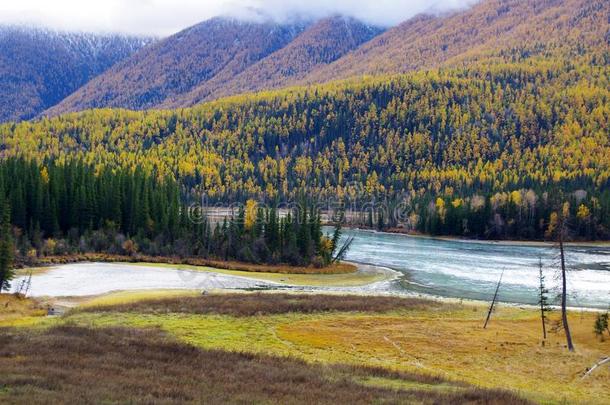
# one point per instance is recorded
(446, 341)
(127, 297)
(254, 334)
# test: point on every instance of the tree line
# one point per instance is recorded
(523, 214)
(73, 207)
(455, 144)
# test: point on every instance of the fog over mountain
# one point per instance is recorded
(165, 17)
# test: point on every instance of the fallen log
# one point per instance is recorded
(596, 365)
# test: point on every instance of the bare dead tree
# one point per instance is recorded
(558, 229)
(564, 288)
(493, 302)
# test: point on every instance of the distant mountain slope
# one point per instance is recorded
(222, 56)
(217, 49)
(486, 139)
(428, 41)
(324, 42)
(38, 68)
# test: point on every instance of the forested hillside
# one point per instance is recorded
(496, 145)
(39, 68)
(490, 28)
(213, 51)
(322, 43)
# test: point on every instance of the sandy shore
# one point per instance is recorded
(604, 244)
(385, 284)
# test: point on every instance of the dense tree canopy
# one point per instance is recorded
(480, 151)
(72, 208)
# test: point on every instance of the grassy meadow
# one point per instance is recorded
(363, 349)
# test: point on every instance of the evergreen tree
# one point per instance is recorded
(601, 325)
(6, 248)
(543, 298)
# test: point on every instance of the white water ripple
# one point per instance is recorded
(468, 269)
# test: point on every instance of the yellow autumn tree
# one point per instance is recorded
(250, 214)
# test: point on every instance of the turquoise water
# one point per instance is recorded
(467, 269)
(459, 269)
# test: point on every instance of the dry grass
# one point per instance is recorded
(508, 354)
(68, 364)
(266, 304)
(412, 336)
(340, 268)
(18, 310)
(446, 340)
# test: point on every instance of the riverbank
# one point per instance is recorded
(511, 242)
(45, 261)
(95, 278)
(77, 283)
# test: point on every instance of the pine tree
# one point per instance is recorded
(601, 325)
(6, 248)
(543, 298)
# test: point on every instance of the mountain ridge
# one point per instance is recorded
(321, 43)
(428, 41)
(40, 67)
(218, 48)
(225, 56)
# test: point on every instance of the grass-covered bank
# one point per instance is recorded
(53, 260)
(119, 365)
(408, 336)
(358, 275)
(403, 334)
(16, 310)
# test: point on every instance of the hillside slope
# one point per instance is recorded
(38, 68)
(322, 43)
(493, 144)
(487, 28)
(217, 49)
(223, 57)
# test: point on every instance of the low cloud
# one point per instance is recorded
(377, 12)
(164, 17)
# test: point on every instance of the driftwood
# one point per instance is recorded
(493, 302)
(596, 365)
(343, 250)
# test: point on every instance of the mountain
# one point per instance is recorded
(215, 50)
(484, 150)
(39, 68)
(324, 42)
(223, 56)
(487, 28)
(503, 118)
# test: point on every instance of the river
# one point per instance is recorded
(471, 269)
(447, 268)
